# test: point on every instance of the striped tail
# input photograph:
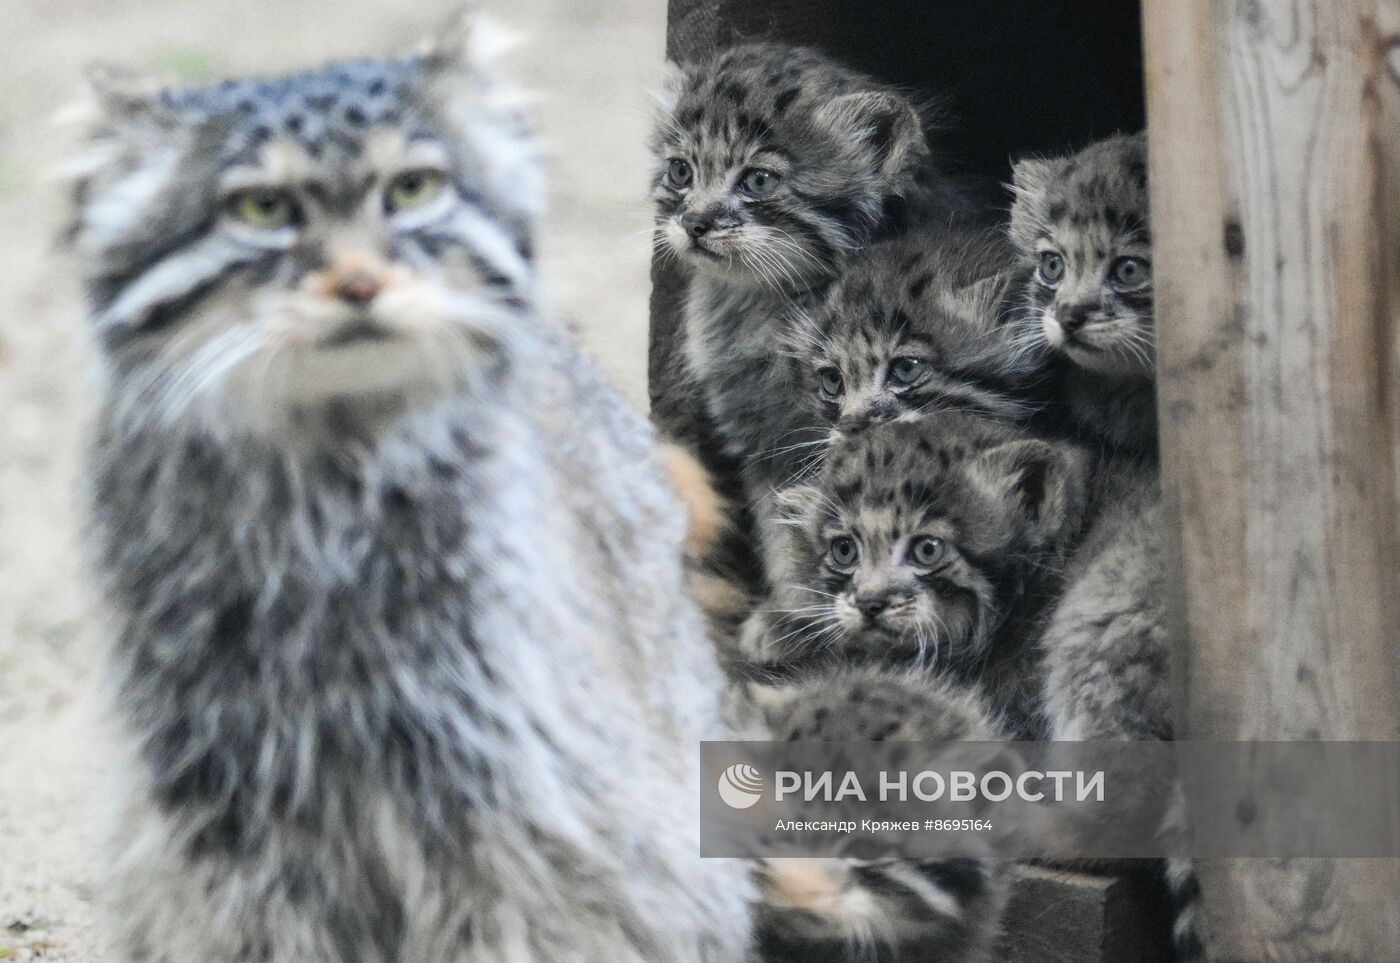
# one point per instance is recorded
(1184, 896)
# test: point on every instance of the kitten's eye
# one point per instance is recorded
(265, 208)
(413, 189)
(679, 172)
(906, 371)
(843, 552)
(829, 380)
(1130, 272)
(759, 182)
(1052, 267)
(927, 551)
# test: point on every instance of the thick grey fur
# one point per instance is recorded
(900, 909)
(1092, 208)
(1107, 654)
(402, 676)
(1010, 509)
(854, 167)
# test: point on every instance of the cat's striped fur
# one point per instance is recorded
(402, 657)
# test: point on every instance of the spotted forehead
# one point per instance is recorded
(751, 98)
(333, 106)
(1098, 203)
(857, 344)
(895, 470)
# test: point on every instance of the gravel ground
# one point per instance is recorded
(592, 61)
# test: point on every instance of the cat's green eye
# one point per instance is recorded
(759, 182)
(830, 383)
(906, 371)
(927, 551)
(1052, 267)
(843, 552)
(264, 208)
(1130, 273)
(679, 173)
(413, 189)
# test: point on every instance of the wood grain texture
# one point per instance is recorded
(1081, 918)
(1274, 187)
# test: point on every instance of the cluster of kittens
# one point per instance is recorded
(945, 431)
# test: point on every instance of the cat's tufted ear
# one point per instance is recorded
(115, 100)
(468, 41)
(470, 91)
(771, 697)
(981, 300)
(796, 503)
(131, 141)
(1029, 180)
(667, 93)
(885, 121)
(1031, 175)
(1043, 484)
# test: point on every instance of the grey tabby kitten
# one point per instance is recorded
(1082, 225)
(917, 324)
(401, 655)
(938, 541)
(1082, 228)
(1107, 651)
(773, 164)
(834, 910)
(1107, 660)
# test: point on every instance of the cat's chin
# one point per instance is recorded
(1107, 358)
(357, 386)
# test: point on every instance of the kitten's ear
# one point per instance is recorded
(981, 299)
(1043, 484)
(1029, 180)
(1031, 175)
(668, 91)
(769, 698)
(801, 336)
(796, 502)
(884, 120)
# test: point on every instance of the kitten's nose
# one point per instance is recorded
(1073, 318)
(697, 225)
(357, 287)
(872, 605)
(854, 424)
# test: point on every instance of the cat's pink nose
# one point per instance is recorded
(357, 287)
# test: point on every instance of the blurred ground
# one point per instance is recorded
(593, 62)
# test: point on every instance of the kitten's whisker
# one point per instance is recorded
(805, 588)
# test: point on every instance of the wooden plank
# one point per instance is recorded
(1065, 916)
(1274, 146)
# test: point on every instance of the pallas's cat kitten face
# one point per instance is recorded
(260, 252)
(1081, 226)
(919, 537)
(914, 325)
(772, 161)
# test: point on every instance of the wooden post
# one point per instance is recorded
(1275, 142)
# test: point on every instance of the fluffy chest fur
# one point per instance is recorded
(295, 632)
(748, 384)
(401, 653)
